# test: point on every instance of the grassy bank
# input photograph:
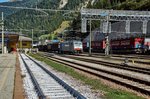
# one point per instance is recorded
(109, 93)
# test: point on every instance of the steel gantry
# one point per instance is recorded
(108, 16)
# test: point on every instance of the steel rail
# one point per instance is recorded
(125, 76)
(129, 58)
(108, 77)
(109, 72)
(72, 91)
(122, 56)
(115, 65)
(35, 83)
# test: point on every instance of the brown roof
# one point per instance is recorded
(11, 36)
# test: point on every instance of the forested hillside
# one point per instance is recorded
(122, 4)
(37, 20)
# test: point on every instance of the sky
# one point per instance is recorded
(4, 0)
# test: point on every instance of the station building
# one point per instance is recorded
(12, 42)
(24, 42)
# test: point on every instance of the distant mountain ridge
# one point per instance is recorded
(35, 19)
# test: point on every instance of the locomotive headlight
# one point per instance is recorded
(139, 46)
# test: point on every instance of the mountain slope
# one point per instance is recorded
(35, 19)
(122, 4)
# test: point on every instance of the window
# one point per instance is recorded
(24, 44)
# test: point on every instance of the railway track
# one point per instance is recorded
(123, 56)
(46, 84)
(122, 77)
(136, 58)
(110, 64)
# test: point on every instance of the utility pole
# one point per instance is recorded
(107, 37)
(90, 39)
(21, 39)
(2, 33)
(32, 38)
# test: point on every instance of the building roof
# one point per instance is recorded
(23, 38)
(10, 36)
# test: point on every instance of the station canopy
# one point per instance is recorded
(23, 38)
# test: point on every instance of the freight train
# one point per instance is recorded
(124, 45)
(69, 46)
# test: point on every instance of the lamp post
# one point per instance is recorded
(21, 39)
(90, 52)
(107, 49)
(2, 33)
(32, 38)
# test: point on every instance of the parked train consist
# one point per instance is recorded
(53, 47)
(130, 45)
(97, 46)
(69, 46)
(42, 48)
(123, 45)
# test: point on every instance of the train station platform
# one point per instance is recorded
(7, 75)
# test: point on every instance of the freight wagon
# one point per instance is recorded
(53, 47)
(124, 45)
(42, 48)
(96, 46)
(129, 45)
